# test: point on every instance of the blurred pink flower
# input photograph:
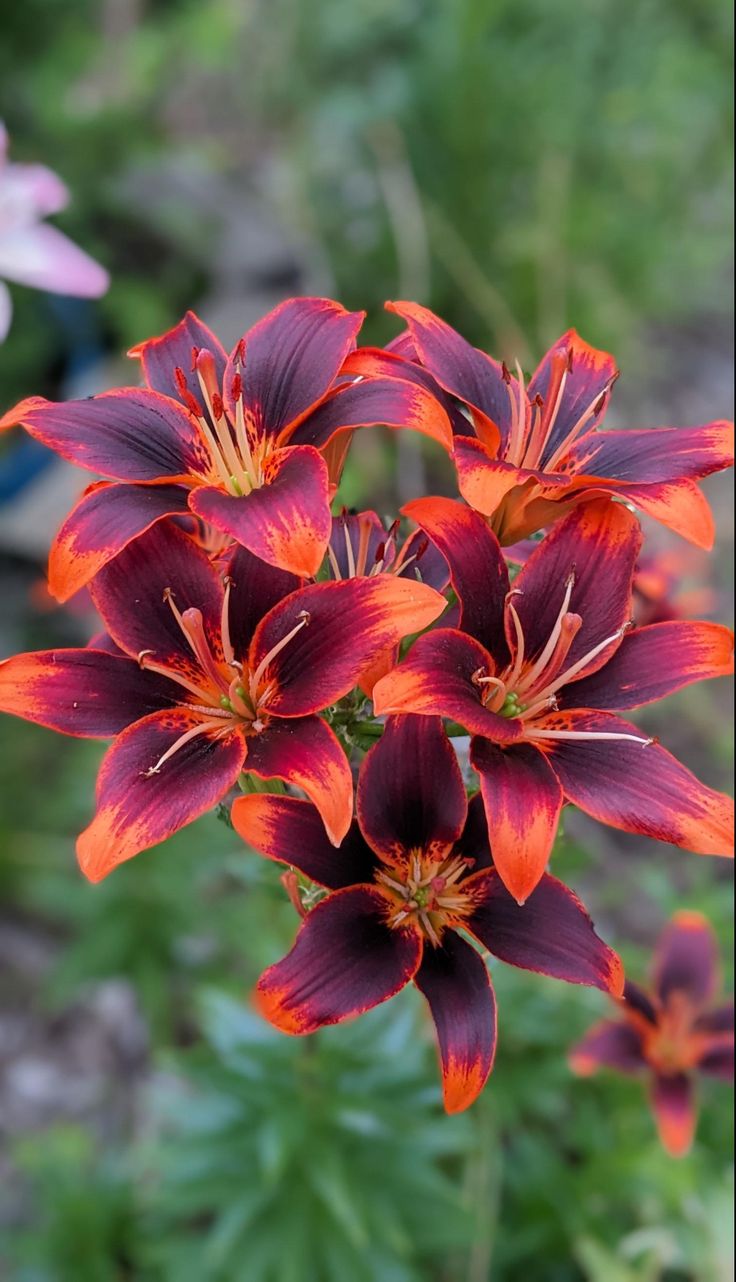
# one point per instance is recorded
(31, 252)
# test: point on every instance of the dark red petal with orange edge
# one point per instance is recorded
(292, 832)
(457, 986)
(484, 481)
(131, 434)
(103, 522)
(461, 369)
(608, 1045)
(289, 360)
(656, 454)
(686, 959)
(675, 1112)
(652, 662)
(306, 753)
(379, 402)
(256, 587)
(598, 537)
(129, 594)
(161, 357)
(717, 1060)
(346, 959)
(719, 1020)
(136, 809)
(638, 1003)
(552, 934)
(523, 801)
(473, 843)
(88, 693)
(638, 788)
(393, 362)
(411, 794)
(477, 569)
(586, 382)
(287, 521)
(679, 505)
(436, 679)
(348, 626)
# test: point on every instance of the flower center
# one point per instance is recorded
(428, 892)
(237, 451)
(527, 688)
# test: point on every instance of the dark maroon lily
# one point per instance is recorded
(203, 674)
(236, 440)
(673, 1034)
(411, 873)
(534, 673)
(525, 453)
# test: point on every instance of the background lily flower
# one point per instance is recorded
(200, 675)
(525, 453)
(674, 1033)
(535, 672)
(31, 252)
(412, 871)
(235, 440)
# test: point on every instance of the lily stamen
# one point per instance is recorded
(204, 727)
(256, 676)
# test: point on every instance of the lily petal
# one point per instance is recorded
(379, 402)
(411, 794)
(552, 934)
(455, 982)
(44, 258)
(587, 381)
(656, 454)
(686, 959)
(162, 357)
(608, 1045)
(305, 752)
(292, 832)
(675, 1112)
(346, 960)
(137, 808)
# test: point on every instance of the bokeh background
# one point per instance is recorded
(520, 166)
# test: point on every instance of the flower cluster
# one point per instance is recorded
(420, 711)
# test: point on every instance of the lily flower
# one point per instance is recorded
(202, 675)
(673, 1034)
(236, 440)
(525, 452)
(31, 252)
(412, 872)
(535, 673)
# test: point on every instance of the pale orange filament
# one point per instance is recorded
(204, 727)
(256, 676)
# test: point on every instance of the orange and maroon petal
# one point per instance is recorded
(129, 594)
(473, 843)
(608, 1045)
(639, 788)
(255, 588)
(523, 801)
(346, 959)
(457, 986)
(656, 454)
(378, 402)
(597, 538)
(289, 359)
(306, 753)
(718, 1021)
(131, 434)
(653, 662)
(551, 934)
(104, 521)
(162, 357)
(345, 627)
(478, 571)
(137, 806)
(686, 959)
(87, 693)
(717, 1057)
(675, 1112)
(439, 677)
(411, 794)
(398, 360)
(286, 521)
(484, 480)
(589, 376)
(461, 369)
(680, 505)
(638, 1004)
(292, 832)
